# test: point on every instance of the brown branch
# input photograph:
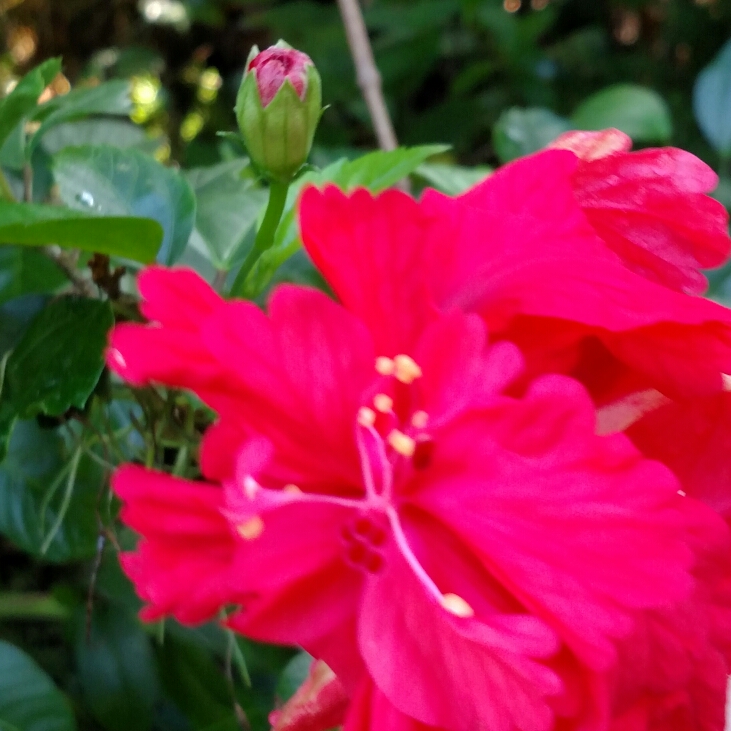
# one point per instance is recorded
(80, 283)
(369, 79)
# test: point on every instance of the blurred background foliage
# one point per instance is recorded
(450, 68)
(128, 127)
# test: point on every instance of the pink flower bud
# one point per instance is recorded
(274, 65)
(278, 107)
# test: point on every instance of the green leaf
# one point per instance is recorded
(38, 225)
(376, 171)
(712, 101)
(108, 181)
(227, 206)
(59, 359)
(451, 179)
(29, 700)
(39, 506)
(519, 132)
(639, 112)
(24, 97)
(15, 316)
(294, 674)
(26, 271)
(111, 97)
(116, 670)
(193, 682)
(99, 131)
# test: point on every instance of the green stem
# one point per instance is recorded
(264, 236)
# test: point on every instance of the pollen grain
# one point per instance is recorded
(385, 366)
(406, 369)
(457, 606)
(366, 417)
(251, 529)
(383, 403)
(402, 443)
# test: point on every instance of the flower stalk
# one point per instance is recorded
(264, 236)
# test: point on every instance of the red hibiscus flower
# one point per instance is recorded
(650, 207)
(468, 559)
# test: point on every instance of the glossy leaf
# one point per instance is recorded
(31, 224)
(110, 98)
(58, 361)
(116, 670)
(227, 206)
(40, 508)
(98, 131)
(21, 101)
(712, 101)
(519, 132)
(26, 271)
(107, 181)
(636, 110)
(29, 700)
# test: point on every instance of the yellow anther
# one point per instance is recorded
(406, 370)
(457, 606)
(252, 529)
(726, 381)
(292, 489)
(402, 444)
(366, 416)
(251, 487)
(383, 403)
(385, 366)
(420, 419)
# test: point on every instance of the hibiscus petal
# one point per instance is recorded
(693, 438)
(299, 378)
(371, 252)
(183, 565)
(426, 660)
(650, 208)
(575, 525)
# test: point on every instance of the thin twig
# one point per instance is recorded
(369, 79)
(81, 284)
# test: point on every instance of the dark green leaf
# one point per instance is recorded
(193, 682)
(108, 181)
(24, 97)
(519, 132)
(38, 225)
(111, 97)
(117, 670)
(59, 359)
(637, 111)
(227, 206)
(712, 101)
(26, 271)
(29, 701)
(40, 507)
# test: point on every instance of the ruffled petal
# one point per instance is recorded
(184, 564)
(371, 250)
(424, 658)
(579, 528)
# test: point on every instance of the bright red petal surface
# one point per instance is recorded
(184, 565)
(372, 252)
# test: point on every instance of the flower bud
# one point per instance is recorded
(277, 108)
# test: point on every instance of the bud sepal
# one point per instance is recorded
(276, 121)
